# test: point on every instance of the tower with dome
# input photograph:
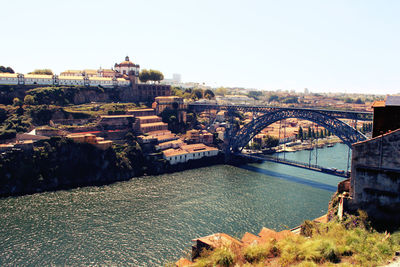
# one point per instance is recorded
(128, 69)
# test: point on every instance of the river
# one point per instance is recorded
(151, 220)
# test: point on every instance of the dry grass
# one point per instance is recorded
(329, 244)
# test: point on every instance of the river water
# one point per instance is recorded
(151, 220)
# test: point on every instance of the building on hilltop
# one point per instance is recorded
(125, 74)
(172, 103)
(98, 142)
(127, 67)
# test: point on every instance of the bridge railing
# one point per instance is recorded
(298, 163)
(344, 114)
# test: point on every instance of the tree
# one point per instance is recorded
(309, 134)
(177, 91)
(156, 76)
(144, 76)
(221, 91)
(321, 134)
(270, 141)
(6, 70)
(300, 133)
(290, 100)
(17, 102)
(197, 93)
(209, 94)
(272, 98)
(150, 75)
(359, 101)
(255, 94)
(255, 146)
(42, 72)
(29, 100)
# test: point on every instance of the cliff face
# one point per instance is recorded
(61, 163)
(74, 94)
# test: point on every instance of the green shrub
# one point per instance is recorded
(307, 228)
(223, 256)
(7, 134)
(256, 253)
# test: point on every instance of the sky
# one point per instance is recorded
(325, 46)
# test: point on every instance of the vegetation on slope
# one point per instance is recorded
(346, 243)
(61, 163)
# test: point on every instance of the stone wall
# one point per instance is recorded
(375, 177)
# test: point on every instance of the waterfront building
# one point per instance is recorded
(206, 137)
(189, 152)
(193, 136)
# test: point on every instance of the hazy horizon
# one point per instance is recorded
(341, 46)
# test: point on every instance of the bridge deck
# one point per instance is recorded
(343, 114)
(298, 164)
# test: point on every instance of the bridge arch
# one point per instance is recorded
(345, 132)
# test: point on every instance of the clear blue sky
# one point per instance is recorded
(326, 46)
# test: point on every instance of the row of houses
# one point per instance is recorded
(33, 79)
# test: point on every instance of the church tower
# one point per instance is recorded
(128, 70)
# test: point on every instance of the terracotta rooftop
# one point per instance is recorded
(267, 234)
(378, 104)
(390, 100)
(9, 75)
(218, 239)
(249, 238)
(38, 76)
(148, 117)
(116, 116)
(173, 142)
(138, 110)
(174, 152)
(70, 77)
(159, 132)
(152, 124)
(182, 262)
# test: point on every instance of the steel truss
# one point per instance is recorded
(239, 138)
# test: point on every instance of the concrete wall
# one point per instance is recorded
(375, 177)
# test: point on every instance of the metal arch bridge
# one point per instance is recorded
(340, 114)
(329, 119)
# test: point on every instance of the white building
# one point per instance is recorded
(189, 152)
(33, 79)
(127, 67)
(176, 77)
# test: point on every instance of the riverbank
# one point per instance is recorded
(151, 219)
(317, 244)
(330, 239)
(306, 144)
(60, 163)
